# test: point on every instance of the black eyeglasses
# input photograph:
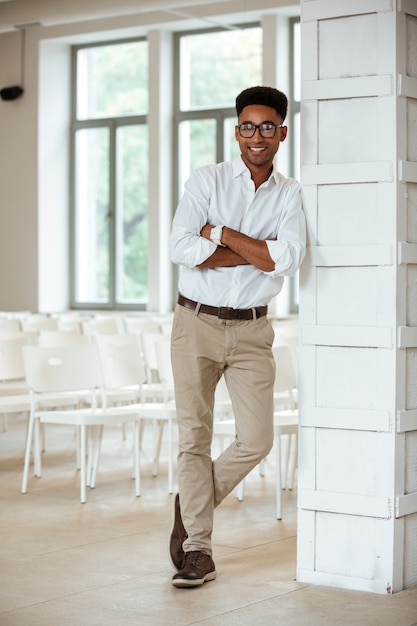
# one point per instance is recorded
(266, 129)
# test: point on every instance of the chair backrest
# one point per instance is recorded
(103, 326)
(122, 365)
(63, 368)
(292, 342)
(11, 358)
(54, 338)
(222, 392)
(9, 325)
(163, 359)
(118, 340)
(69, 324)
(148, 341)
(165, 372)
(141, 324)
(38, 321)
(285, 376)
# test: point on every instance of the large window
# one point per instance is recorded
(212, 68)
(110, 165)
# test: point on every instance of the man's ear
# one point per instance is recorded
(283, 131)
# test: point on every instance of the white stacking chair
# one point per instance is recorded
(71, 369)
(9, 326)
(285, 433)
(14, 392)
(148, 391)
(103, 326)
(39, 321)
(54, 338)
(70, 322)
(285, 423)
(286, 381)
(12, 372)
(287, 334)
(148, 341)
(126, 381)
(136, 324)
(165, 373)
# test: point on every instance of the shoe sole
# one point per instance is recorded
(185, 582)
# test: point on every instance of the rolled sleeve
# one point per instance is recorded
(289, 248)
(287, 257)
(189, 249)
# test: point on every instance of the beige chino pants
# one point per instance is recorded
(203, 348)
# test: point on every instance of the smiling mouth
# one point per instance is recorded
(258, 150)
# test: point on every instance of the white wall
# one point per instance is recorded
(18, 180)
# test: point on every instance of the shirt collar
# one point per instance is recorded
(240, 167)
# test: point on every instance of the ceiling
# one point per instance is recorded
(19, 14)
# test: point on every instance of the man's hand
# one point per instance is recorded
(206, 231)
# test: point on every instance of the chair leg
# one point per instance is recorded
(136, 448)
(293, 462)
(96, 439)
(286, 460)
(278, 477)
(26, 464)
(241, 490)
(37, 452)
(83, 463)
(170, 459)
(158, 445)
(77, 447)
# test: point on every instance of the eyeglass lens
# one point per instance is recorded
(266, 130)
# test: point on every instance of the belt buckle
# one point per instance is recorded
(225, 313)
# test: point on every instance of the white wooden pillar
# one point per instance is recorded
(358, 296)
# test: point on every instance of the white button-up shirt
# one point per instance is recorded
(224, 194)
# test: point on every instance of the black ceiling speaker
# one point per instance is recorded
(11, 93)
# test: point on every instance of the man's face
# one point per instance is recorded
(257, 150)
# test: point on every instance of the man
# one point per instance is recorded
(238, 230)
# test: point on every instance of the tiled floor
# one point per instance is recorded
(106, 562)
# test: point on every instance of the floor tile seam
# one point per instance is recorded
(64, 549)
(89, 589)
(245, 606)
(253, 547)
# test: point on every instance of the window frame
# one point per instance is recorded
(220, 114)
(112, 124)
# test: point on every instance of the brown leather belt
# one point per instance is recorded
(223, 312)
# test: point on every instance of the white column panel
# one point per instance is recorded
(358, 295)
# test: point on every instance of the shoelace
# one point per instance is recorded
(193, 558)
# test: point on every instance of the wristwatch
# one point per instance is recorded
(216, 235)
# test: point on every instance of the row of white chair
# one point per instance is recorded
(85, 324)
(156, 383)
(11, 362)
(88, 376)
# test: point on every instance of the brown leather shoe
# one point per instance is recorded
(178, 536)
(198, 568)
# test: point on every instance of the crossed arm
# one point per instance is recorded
(240, 250)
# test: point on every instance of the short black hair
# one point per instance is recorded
(267, 96)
